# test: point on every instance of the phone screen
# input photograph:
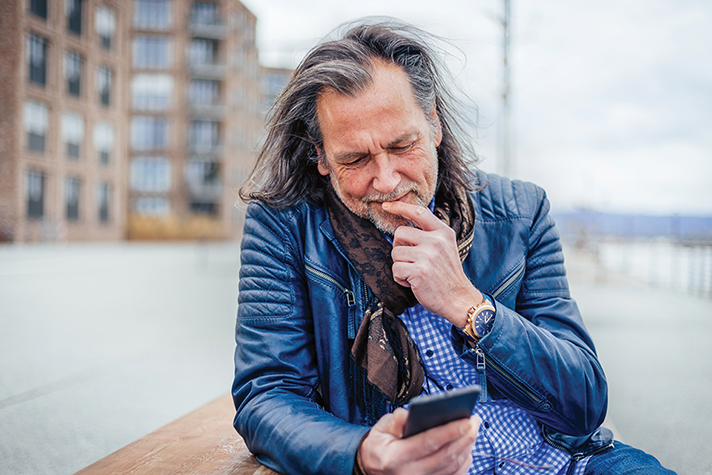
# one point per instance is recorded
(437, 409)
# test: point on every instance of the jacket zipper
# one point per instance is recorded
(482, 362)
(574, 457)
(509, 281)
(350, 298)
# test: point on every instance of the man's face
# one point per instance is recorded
(379, 146)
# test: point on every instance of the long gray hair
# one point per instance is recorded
(286, 168)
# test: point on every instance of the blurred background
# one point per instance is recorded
(126, 128)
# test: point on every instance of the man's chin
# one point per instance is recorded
(388, 224)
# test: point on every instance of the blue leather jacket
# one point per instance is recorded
(301, 302)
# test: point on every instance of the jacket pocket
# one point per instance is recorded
(510, 282)
(350, 297)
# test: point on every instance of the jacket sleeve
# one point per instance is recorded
(539, 354)
(274, 390)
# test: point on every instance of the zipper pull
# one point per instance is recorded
(350, 298)
(481, 366)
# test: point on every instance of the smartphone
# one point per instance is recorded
(437, 409)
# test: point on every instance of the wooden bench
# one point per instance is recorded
(202, 442)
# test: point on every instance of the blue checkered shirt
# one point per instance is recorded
(508, 434)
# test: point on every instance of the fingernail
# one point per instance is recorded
(386, 204)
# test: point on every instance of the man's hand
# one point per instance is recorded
(446, 449)
(427, 261)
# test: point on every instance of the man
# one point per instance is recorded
(376, 267)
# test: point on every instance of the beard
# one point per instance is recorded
(369, 206)
(383, 220)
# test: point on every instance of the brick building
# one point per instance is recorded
(196, 115)
(125, 119)
(62, 120)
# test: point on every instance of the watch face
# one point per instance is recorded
(484, 321)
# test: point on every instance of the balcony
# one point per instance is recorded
(204, 192)
(202, 110)
(213, 31)
(206, 149)
(208, 70)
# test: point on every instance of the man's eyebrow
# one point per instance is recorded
(348, 156)
(403, 138)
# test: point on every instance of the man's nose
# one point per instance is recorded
(387, 177)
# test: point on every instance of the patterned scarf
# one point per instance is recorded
(385, 356)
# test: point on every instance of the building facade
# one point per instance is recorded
(195, 116)
(126, 119)
(62, 120)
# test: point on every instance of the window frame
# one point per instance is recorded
(38, 8)
(74, 11)
(36, 142)
(34, 207)
(37, 68)
(72, 198)
(103, 82)
(73, 60)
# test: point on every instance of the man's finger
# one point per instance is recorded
(393, 423)
(420, 215)
(435, 438)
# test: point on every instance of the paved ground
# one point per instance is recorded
(103, 343)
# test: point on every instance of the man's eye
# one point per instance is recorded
(403, 148)
(356, 162)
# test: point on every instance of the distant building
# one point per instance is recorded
(126, 118)
(273, 81)
(62, 119)
(195, 116)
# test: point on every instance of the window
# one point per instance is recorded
(152, 205)
(250, 33)
(203, 51)
(150, 174)
(73, 8)
(71, 198)
(149, 133)
(204, 135)
(203, 181)
(153, 14)
(204, 92)
(104, 141)
(105, 24)
(199, 207)
(103, 192)
(151, 92)
(35, 125)
(73, 72)
(204, 13)
(34, 190)
(39, 8)
(152, 52)
(103, 85)
(73, 133)
(37, 59)
(202, 172)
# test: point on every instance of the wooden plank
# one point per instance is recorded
(202, 442)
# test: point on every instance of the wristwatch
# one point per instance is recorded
(480, 319)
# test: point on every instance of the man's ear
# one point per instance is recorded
(321, 164)
(438, 129)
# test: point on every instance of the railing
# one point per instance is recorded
(214, 31)
(684, 266)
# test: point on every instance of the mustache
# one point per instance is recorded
(393, 195)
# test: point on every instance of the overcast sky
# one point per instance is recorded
(611, 102)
